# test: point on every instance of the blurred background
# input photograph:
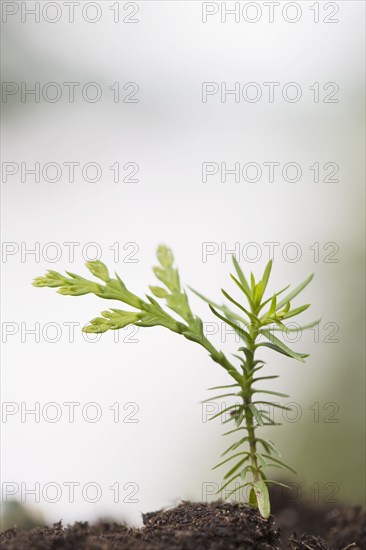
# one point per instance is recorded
(145, 443)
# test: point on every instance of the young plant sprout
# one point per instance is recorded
(248, 458)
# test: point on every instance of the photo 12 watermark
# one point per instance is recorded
(91, 13)
(69, 92)
(269, 92)
(269, 172)
(253, 252)
(70, 172)
(68, 332)
(52, 492)
(290, 492)
(69, 412)
(69, 251)
(270, 12)
(274, 412)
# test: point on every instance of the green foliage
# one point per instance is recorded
(251, 325)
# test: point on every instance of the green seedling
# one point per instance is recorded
(255, 322)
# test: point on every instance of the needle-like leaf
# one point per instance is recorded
(295, 292)
(241, 276)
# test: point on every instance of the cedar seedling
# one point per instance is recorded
(251, 456)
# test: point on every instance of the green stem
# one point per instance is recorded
(248, 413)
(220, 358)
(252, 440)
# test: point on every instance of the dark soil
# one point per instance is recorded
(338, 525)
(200, 526)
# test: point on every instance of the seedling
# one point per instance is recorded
(256, 324)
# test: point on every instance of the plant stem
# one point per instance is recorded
(221, 359)
(251, 439)
(248, 413)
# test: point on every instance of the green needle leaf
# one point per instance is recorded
(241, 277)
(235, 430)
(266, 275)
(277, 405)
(295, 292)
(261, 460)
(251, 316)
(296, 311)
(273, 305)
(223, 411)
(209, 399)
(223, 387)
(278, 394)
(235, 468)
(258, 293)
(283, 464)
(230, 458)
(265, 378)
(272, 482)
(256, 413)
(252, 284)
(242, 333)
(223, 308)
(248, 294)
(270, 299)
(279, 346)
(268, 446)
(285, 329)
